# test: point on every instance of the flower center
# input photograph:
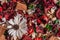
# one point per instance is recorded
(16, 27)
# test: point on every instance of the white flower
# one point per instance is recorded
(30, 11)
(17, 26)
(53, 9)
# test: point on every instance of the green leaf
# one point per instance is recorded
(44, 37)
(56, 21)
(58, 3)
(40, 6)
(56, 30)
(8, 0)
(49, 27)
(31, 6)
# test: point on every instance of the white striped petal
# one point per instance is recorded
(20, 33)
(23, 21)
(9, 26)
(10, 31)
(23, 31)
(14, 33)
(17, 33)
(16, 19)
(11, 21)
(14, 37)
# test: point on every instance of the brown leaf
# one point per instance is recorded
(21, 6)
(53, 38)
(2, 29)
(2, 37)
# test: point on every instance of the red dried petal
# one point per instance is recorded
(1, 9)
(58, 14)
(4, 5)
(0, 16)
(38, 21)
(14, 0)
(58, 34)
(44, 17)
(26, 37)
(46, 9)
(38, 30)
(7, 16)
(38, 38)
(30, 30)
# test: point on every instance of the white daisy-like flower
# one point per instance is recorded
(53, 9)
(17, 26)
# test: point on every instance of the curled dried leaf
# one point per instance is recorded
(53, 38)
(2, 29)
(21, 6)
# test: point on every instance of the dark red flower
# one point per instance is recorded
(4, 5)
(36, 1)
(44, 19)
(39, 21)
(30, 30)
(14, 0)
(46, 9)
(26, 15)
(1, 9)
(38, 10)
(26, 37)
(48, 2)
(38, 38)
(11, 3)
(58, 13)
(0, 16)
(38, 29)
(58, 34)
(7, 16)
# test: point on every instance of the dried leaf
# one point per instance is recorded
(53, 38)
(21, 6)
(2, 37)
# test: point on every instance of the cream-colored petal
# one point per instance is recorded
(53, 9)
(11, 21)
(24, 31)
(23, 21)
(16, 19)
(20, 34)
(4, 19)
(14, 33)
(10, 31)
(9, 26)
(14, 37)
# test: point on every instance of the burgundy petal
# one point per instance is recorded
(58, 13)
(38, 38)
(26, 37)
(1, 9)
